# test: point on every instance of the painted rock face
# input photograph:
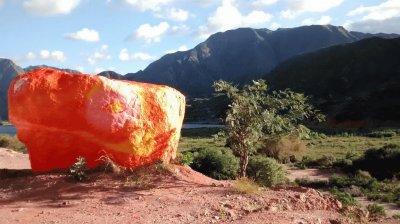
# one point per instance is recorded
(61, 116)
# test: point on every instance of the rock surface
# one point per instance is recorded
(61, 116)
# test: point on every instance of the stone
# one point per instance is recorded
(61, 116)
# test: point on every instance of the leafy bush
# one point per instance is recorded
(78, 170)
(266, 171)
(184, 158)
(382, 163)
(218, 164)
(360, 179)
(312, 183)
(282, 149)
(344, 197)
(11, 142)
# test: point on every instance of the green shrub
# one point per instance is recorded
(78, 170)
(344, 197)
(282, 149)
(382, 163)
(266, 171)
(376, 211)
(381, 134)
(360, 179)
(218, 164)
(245, 186)
(312, 183)
(12, 142)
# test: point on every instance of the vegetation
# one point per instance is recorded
(254, 114)
(245, 186)
(283, 149)
(266, 171)
(382, 163)
(376, 211)
(78, 170)
(218, 164)
(11, 142)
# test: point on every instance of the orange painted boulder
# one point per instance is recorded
(61, 116)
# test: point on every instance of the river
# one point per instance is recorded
(10, 130)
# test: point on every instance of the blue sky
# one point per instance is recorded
(127, 35)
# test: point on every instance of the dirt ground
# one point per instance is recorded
(171, 194)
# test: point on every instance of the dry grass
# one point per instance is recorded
(283, 148)
(245, 186)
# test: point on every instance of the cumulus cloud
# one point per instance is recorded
(180, 48)
(85, 34)
(50, 7)
(150, 33)
(263, 3)
(99, 55)
(298, 7)
(227, 16)
(151, 5)
(386, 10)
(52, 55)
(324, 20)
(275, 25)
(124, 55)
(384, 17)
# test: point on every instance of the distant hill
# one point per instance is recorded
(8, 70)
(356, 81)
(30, 68)
(111, 74)
(241, 55)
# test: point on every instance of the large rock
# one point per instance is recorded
(61, 116)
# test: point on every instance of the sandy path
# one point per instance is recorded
(10, 159)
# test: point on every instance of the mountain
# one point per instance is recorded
(30, 68)
(8, 70)
(355, 81)
(111, 74)
(240, 55)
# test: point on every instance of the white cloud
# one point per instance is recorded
(124, 55)
(30, 56)
(376, 26)
(324, 20)
(275, 25)
(51, 55)
(152, 5)
(227, 16)
(84, 34)
(99, 55)
(263, 3)
(297, 7)
(384, 17)
(150, 33)
(386, 10)
(180, 48)
(80, 69)
(50, 7)
(177, 14)
(1, 2)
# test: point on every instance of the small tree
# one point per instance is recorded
(253, 113)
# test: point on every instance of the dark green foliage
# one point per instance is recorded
(357, 81)
(254, 114)
(266, 171)
(218, 164)
(360, 179)
(343, 197)
(187, 158)
(78, 170)
(11, 142)
(312, 183)
(382, 163)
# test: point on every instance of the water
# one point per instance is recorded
(10, 130)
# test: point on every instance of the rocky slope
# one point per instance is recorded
(240, 55)
(356, 81)
(8, 70)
